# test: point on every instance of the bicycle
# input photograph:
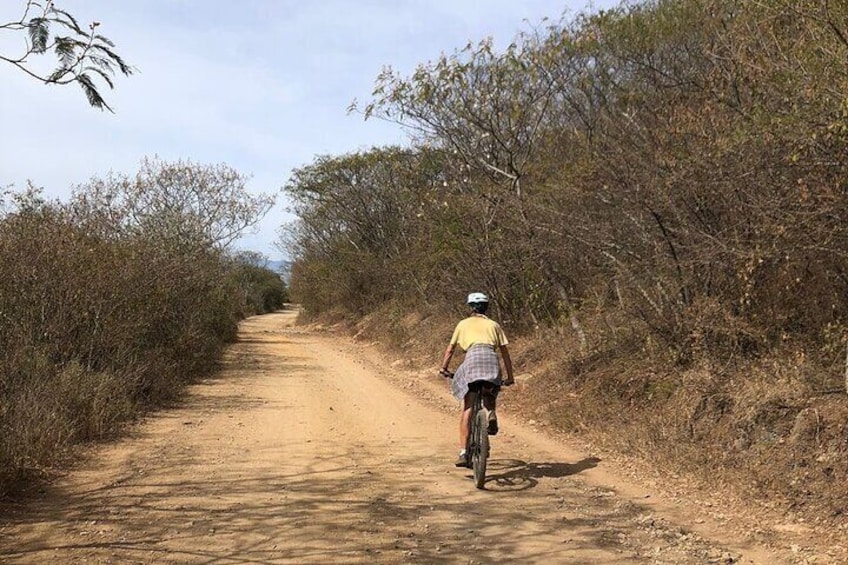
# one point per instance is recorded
(477, 446)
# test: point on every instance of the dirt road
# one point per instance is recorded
(303, 450)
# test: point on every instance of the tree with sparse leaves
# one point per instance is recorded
(178, 203)
(83, 55)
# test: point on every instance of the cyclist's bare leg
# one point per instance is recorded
(464, 420)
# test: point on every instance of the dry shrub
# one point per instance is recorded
(95, 328)
(421, 330)
(261, 289)
(758, 427)
(44, 417)
(788, 444)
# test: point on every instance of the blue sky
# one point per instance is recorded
(261, 85)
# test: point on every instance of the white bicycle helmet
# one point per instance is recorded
(477, 298)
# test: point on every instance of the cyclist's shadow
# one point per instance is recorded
(514, 474)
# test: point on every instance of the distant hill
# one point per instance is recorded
(282, 266)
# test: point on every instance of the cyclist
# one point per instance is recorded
(481, 338)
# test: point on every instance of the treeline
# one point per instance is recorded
(664, 182)
(110, 303)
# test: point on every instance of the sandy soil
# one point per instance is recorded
(307, 448)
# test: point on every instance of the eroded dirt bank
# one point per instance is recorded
(303, 451)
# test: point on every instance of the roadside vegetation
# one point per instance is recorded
(112, 302)
(655, 196)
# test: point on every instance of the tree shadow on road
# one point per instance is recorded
(514, 474)
(178, 508)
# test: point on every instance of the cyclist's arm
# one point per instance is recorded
(510, 379)
(446, 358)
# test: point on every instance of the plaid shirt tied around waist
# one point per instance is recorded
(480, 364)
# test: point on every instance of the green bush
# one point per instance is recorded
(261, 289)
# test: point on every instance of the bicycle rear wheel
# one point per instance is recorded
(480, 448)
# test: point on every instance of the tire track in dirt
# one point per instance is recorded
(300, 451)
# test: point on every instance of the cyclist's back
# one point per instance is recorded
(478, 329)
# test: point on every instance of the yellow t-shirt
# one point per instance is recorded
(478, 329)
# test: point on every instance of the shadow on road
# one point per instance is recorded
(211, 513)
(514, 474)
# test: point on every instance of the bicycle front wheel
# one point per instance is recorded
(480, 453)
